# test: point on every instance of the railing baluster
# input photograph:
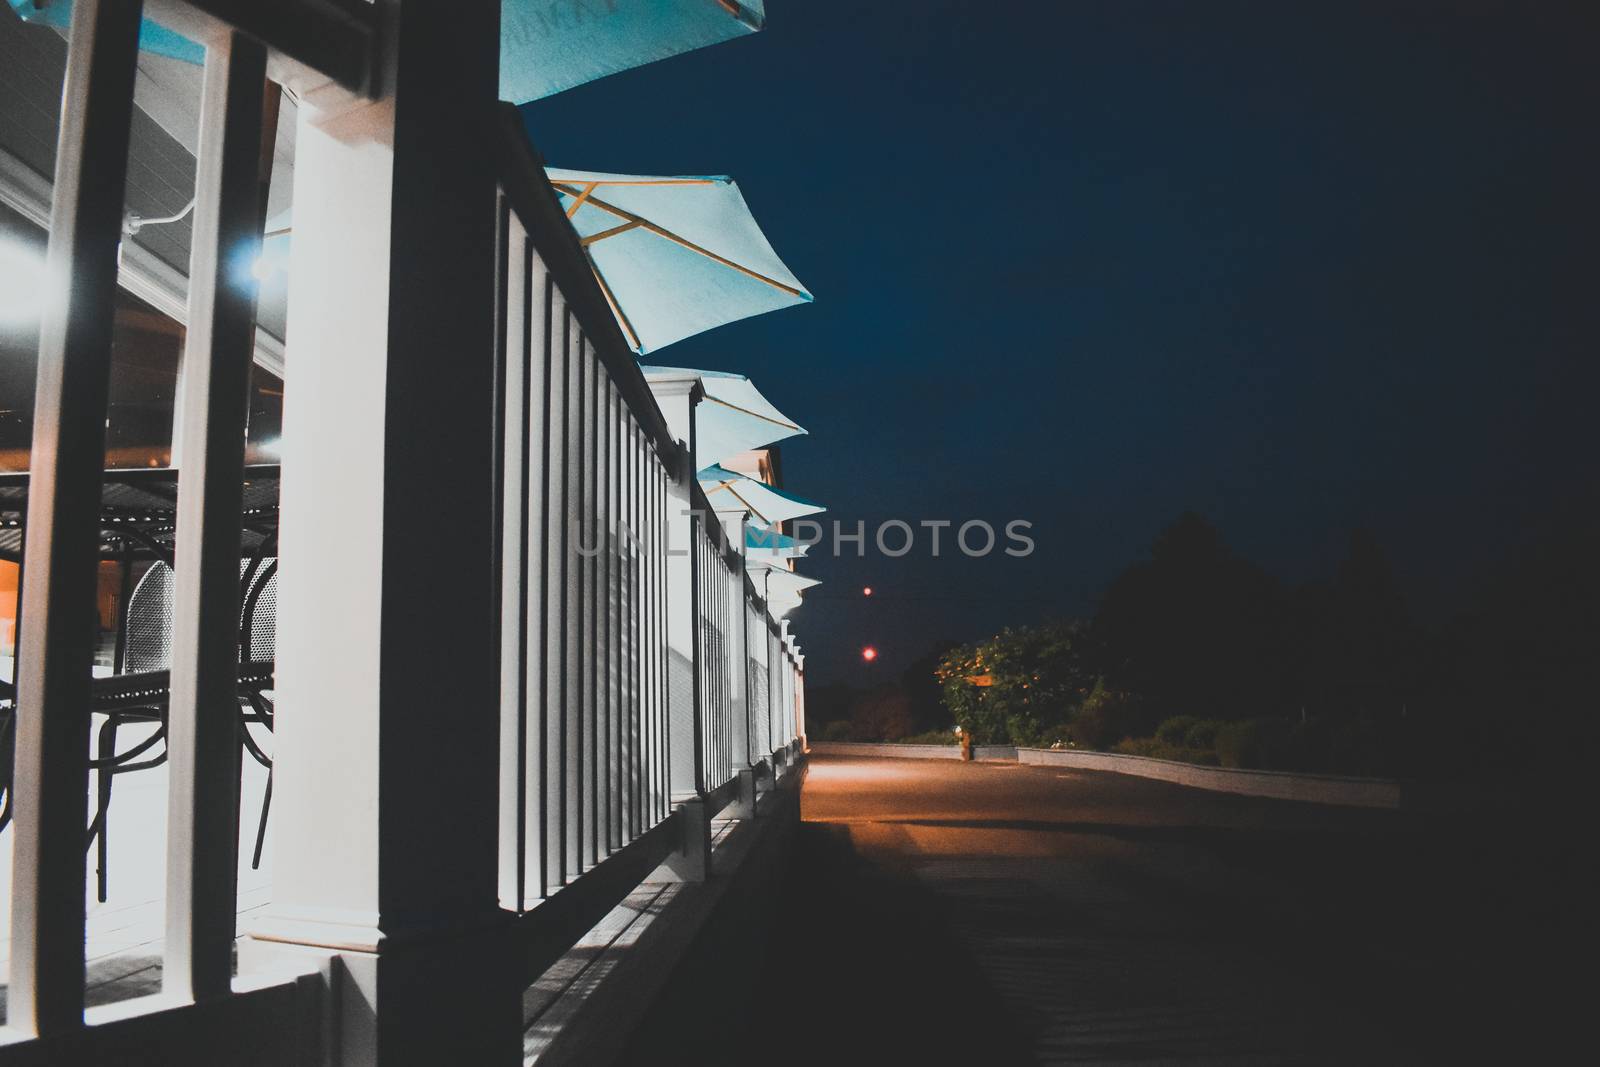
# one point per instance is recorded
(51, 774)
(510, 395)
(203, 724)
(614, 645)
(600, 663)
(588, 824)
(660, 748)
(534, 356)
(565, 719)
(610, 794)
(553, 555)
(635, 620)
(571, 863)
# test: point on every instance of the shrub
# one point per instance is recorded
(1175, 731)
(838, 730)
(1256, 744)
(931, 737)
(1106, 717)
(1155, 748)
(1203, 734)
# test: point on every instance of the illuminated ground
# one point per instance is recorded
(993, 913)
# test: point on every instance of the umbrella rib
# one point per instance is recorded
(651, 181)
(580, 199)
(754, 414)
(662, 231)
(616, 308)
(740, 498)
(602, 235)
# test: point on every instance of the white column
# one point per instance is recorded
(733, 525)
(677, 398)
(685, 771)
(387, 731)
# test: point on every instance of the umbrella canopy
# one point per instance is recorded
(676, 256)
(762, 544)
(780, 587)
(544, 47)
(731, 491)
(733, 416)
(781, 582)
(153, 37)
(547, 47)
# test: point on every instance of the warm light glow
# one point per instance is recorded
(21, 283)
(867, 591)
(869, 653)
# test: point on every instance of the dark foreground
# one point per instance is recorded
(992, 913)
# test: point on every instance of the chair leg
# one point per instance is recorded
(261, 827)
(6, 769)
(106, 752)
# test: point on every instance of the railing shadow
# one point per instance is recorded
(854, 963)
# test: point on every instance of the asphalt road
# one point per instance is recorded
(992, 913)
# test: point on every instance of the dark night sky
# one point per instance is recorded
(1300, 267)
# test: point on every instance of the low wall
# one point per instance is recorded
(881, 751)
(1280, 785)
(892, 750)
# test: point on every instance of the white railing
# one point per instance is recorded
(587, 520)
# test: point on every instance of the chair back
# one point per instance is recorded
(149, 621)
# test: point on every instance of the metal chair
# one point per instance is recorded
(140, 694)
(8, 723)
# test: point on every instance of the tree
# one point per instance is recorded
(1019, 685)
(1196, 629)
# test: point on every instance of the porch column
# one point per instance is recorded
(677, 398)
(745, 756)
(739, 649)
(800, 700)
(387, 733)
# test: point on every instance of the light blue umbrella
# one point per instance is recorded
(782, 589)
(731, 491)
(675, 255)
(153, 37)
(765, 544)
(547, 46)
(780, 582)
(732, 417)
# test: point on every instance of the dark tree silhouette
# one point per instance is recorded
(1198, 630)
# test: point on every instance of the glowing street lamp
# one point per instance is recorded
(866, 591)
(869, 653)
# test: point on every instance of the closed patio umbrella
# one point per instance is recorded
(675, 256)
(733, 416)
(731, 491)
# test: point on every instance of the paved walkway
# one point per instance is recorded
(995, 913)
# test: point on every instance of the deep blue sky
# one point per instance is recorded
(1298, 266)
